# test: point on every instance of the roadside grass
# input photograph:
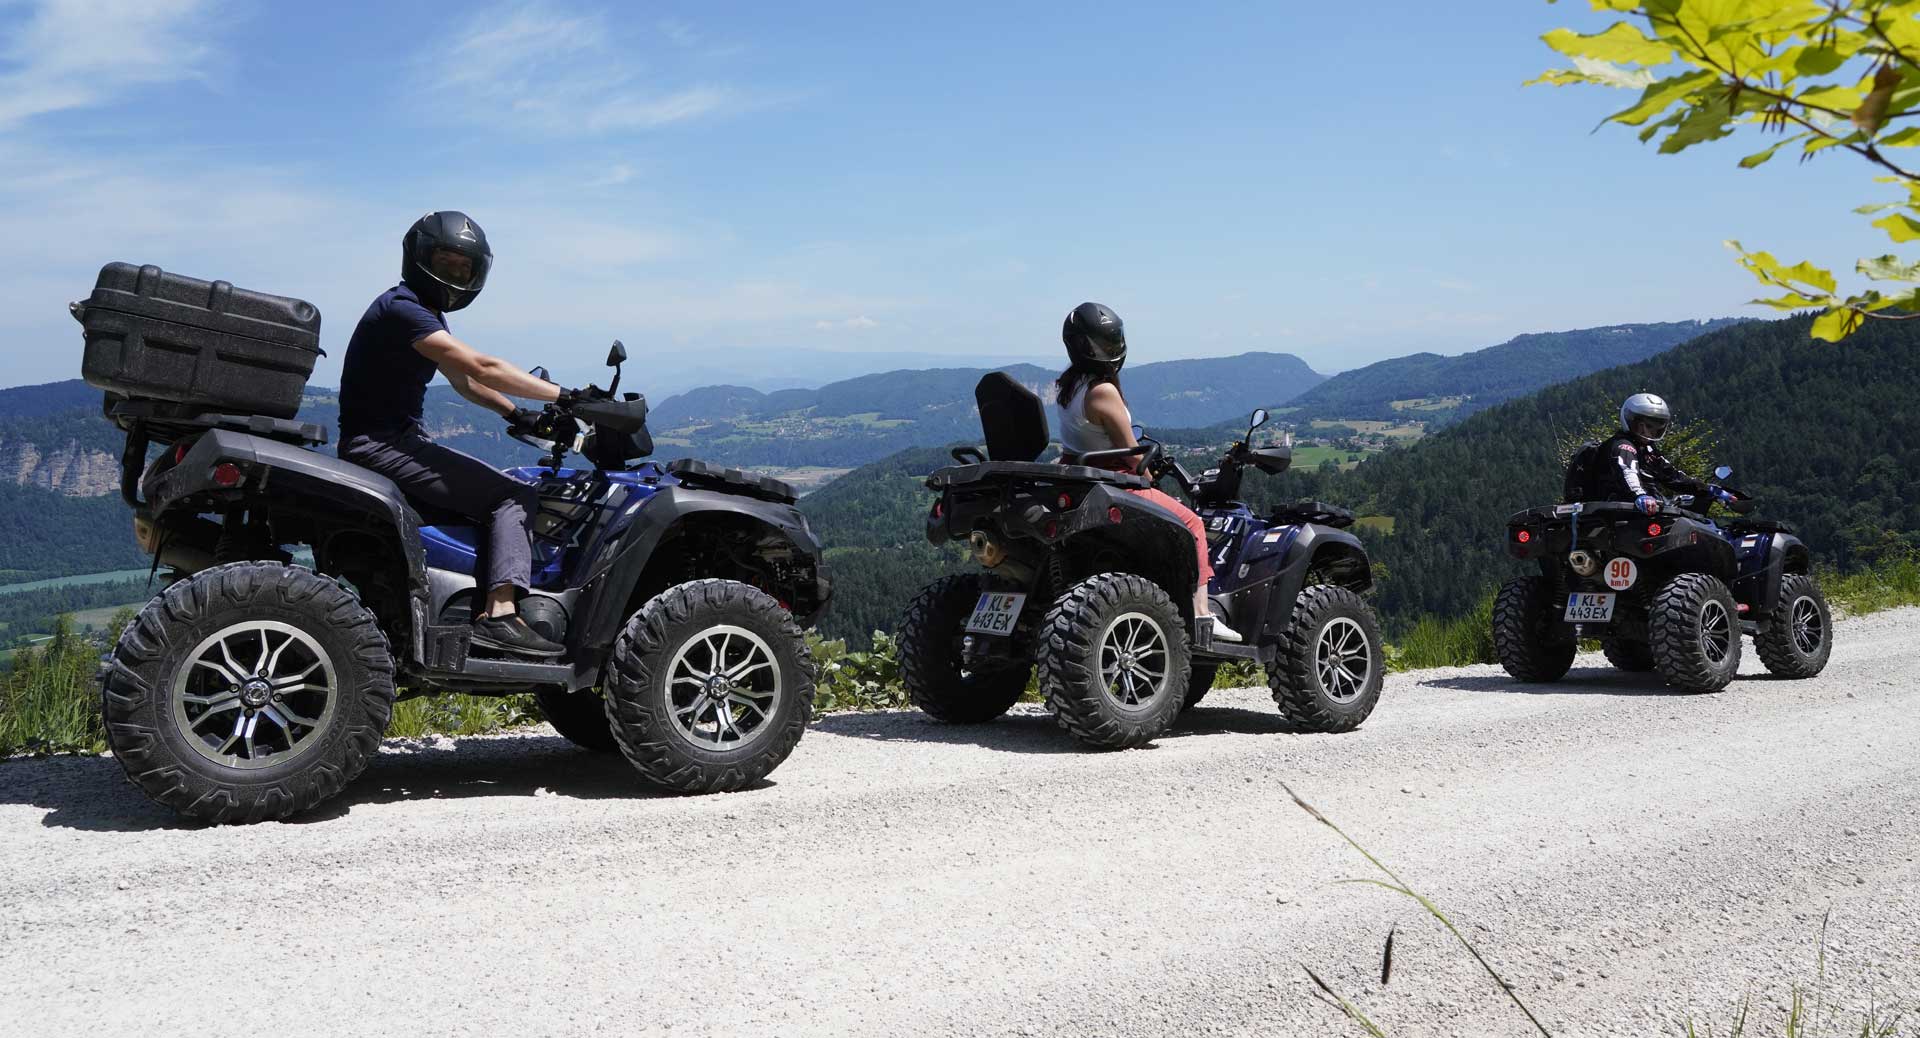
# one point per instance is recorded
(1808, 1013)
(1888, 586)
(457, 714)
(1453, 642)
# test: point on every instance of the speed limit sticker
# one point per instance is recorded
(1621, 573)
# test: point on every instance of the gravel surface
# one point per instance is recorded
(1626, 856)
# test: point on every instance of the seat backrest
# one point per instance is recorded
(1012, 418)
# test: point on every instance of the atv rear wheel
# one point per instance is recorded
(580, 718)
(1694, 629)
(930, 661)
(710, 687)
(1524, 633)
(1331, 663)
(1628, 655)
(1114, 661)
(249, 691)
(1796, 638)
(1199, 683)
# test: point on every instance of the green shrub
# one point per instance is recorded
(452, 713)
(1886, 586)
(1455, 642)
(49, 701)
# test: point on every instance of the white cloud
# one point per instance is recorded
(75, 53)
(860, 323)
(547, 68)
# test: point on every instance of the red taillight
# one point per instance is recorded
(179, 453)
(1063, 502)
(1523, 536)
(1052, 530)
(939, 509)
(226, 474)
(1653, 529)
(1113, 514)
(1744, 607)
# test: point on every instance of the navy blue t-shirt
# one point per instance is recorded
(384, 384)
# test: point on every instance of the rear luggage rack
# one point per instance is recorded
(164, 423)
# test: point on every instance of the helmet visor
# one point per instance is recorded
(455, 269)
(1650, 428)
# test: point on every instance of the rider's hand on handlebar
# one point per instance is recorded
(1723, 495)
(1647, 503)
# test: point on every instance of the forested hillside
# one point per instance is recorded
(1434, 387)
(1827, 437)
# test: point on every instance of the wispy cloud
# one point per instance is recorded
(67, 54)
(859, 323)
(556, 70)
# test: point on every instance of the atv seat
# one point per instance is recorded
(1031, 472)
(1015, 424)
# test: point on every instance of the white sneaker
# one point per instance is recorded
(1223, 633)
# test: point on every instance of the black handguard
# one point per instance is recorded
(627, 416)
(523, 419)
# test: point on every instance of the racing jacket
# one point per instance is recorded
(1631, 469)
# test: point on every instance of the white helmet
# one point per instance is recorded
(1645, 417)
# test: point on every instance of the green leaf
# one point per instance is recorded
(1759, 157)
(1888, 268)
(1836, 324)
(1621, 42)
(1660, 95)
(1838, 98)
(1899, 226)
(1707, 122)
(1907, 138)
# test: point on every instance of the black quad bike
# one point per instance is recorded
(1671, 592)
(254, 688)
(1094, 586)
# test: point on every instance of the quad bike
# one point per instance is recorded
(253, 688)
(1671, 592)
(1093, 585)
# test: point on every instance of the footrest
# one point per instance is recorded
(1200, 639)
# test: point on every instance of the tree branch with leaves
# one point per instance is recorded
(1820, 74)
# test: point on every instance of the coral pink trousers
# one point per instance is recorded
(1188, 519)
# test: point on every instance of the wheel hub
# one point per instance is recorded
(256, 694)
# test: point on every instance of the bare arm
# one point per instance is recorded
(1108, 409)
(478, 393)
(464, 365)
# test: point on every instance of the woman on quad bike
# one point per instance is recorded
(1094, 417)
(399, 344)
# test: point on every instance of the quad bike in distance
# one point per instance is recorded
(1092, 586)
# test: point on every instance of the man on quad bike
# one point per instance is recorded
(1631, 467)
(1094, 417)
(398, 346)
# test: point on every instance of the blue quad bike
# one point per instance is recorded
(1093, 586)
(253, 688)
(1672, 593)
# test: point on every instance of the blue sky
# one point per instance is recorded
(747, 192)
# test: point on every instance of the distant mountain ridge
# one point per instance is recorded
(1435, 387)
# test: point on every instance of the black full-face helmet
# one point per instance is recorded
(444, 259)
(1646, 417)
(1095, 337)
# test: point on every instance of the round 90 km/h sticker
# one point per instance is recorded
(1621, 573)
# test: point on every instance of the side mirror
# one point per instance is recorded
(1259, 419)
(617, 355)
(1722, 472)
(1138, 431)
(539, 373)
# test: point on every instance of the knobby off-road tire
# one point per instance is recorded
(1525, 638)
(1331, 662)
(930, 657)
(580, 718)
(709, 688)
(250, 691)
(1114, 661)
(1199, 683)
(1628, 655)
(1694, 629)
(1796, 637)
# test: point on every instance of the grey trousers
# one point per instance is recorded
(443, 478)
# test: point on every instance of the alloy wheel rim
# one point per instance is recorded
(1134, 660)
(1343, 659)
(1716, 633)
(255, 694)
(724, 688)
(1809, 629)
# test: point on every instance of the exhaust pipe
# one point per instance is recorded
(1583, 563)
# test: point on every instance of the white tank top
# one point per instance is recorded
(1078, 434)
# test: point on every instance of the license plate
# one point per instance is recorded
(996, 612)
(1587, 608)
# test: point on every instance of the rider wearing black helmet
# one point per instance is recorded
(1639, 472)
(395, 351)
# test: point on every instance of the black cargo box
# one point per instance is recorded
(152, 335)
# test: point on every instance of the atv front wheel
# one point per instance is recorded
(1796, 638)
(249, 691)
(580, 718)
(710, 687)
(1199, 683)
(1331, 663)
(930, 662)
(1114, 661)
(1524, 634)
(1694, 629)
(1628, 655)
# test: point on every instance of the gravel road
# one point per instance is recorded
(1626, 856)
